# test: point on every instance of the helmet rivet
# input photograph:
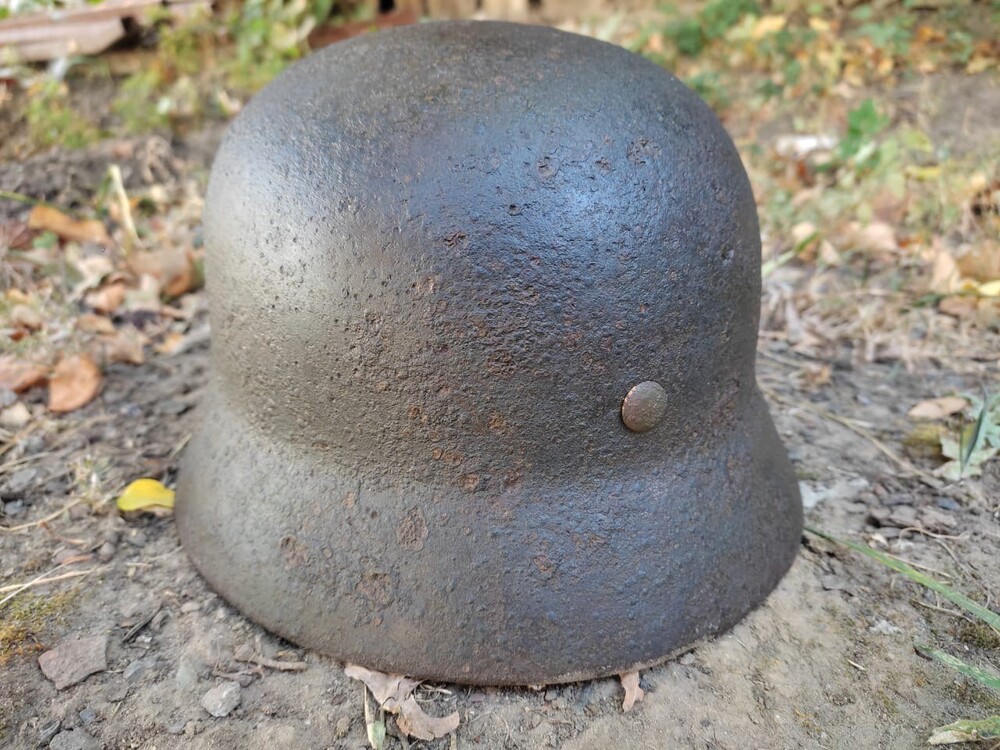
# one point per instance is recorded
(644, 406)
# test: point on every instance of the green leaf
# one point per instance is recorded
(989, 617)
(966, 731)
(979, 675)
(982, 426)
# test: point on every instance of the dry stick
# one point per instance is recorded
(41, 521)
(920, 474)
(118, 186)
(17, 588)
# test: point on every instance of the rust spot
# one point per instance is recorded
(381, 386)
(512, 478)
(437, 453)
(414, 411)
(295, 552)
(470, 482)
(497, 423)
(412, 530)
(456, 239)
(350, 499)
(376, 587)
(544, 565)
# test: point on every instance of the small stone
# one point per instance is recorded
(222, 699)
(534, 720)
(13, 509)
(15, 417)
(176, 727)
(64, 555)
(189, 607)
(136, 538)
(48, 731)
(73, 660)
(884, 627)
(75, 739)
(135, 671)
(688, 659)
(903, 516)
(88, 716)
(342, 728)
(34, 444)
(19, 483)
(936, 521)
(106, 552)
(551, 694)
(836, 583)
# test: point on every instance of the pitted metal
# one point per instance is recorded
(440, 260)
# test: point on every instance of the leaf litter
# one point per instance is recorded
(394, 693)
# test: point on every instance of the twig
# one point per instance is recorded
(41, 580)
(41, 521)
(263, 661)
(133, 631)
(920, 474)
(936, 608)
(118, 186)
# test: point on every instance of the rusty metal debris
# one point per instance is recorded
(441, 258)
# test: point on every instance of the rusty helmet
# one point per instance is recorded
(484, 301)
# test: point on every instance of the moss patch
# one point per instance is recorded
(24, 618)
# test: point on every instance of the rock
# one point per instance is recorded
(75, 739)
(48, 731)
(551, 694)
(222, 699)
(13, 509)
(342, 728)
(15, 417)
(136, 670)
(19, 483)
(73, 660)
(106, 552)
(884, 627)
(935, 520)
(87, 716)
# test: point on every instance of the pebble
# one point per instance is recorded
(189, 607)
(73, 660)
(342, 728)
(946, 503)
(88, 716)
(551, 694)
(75, 739)
(136, 670)
(136, 538)
(106, 552)
(49, 731)
(15, 416)
(19, 483)
(34, 444)
(884, 627)
(222, 699)
(13, 509)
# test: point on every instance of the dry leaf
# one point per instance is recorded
(145, 493)
(74, 383)
(92, 271)
(108, 298)
(938, 408)
(95, 324)
(18, 376)
(23, 316)
(878, 236)
(47, 218)
(413, 721)
(633, 693)
(394, 693)
(125, 346)
(172, 267)
(767, 25)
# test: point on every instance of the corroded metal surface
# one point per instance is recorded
(439, 259)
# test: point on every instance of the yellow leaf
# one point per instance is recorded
(145, 493)
(767, 25)
(923, 174)
(990, 289)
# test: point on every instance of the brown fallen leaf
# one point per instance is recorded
(52, 219)
(95, 324)
(937, 408)
(108, 298)
(394, 693)
(125, 346)
(74, 383)
(633, 693)
(17, 375)
(172, 267)
(413, 721)
(24, 316)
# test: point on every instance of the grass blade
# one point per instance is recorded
(966, 731)
(968, 448)
(975, 673)
(989, 617)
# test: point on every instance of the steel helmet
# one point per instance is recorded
(485, 301)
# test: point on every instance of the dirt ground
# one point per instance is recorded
(827, 662)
